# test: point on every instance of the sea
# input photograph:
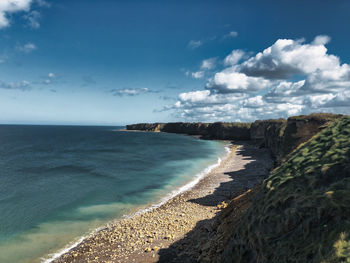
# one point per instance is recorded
(58, 184)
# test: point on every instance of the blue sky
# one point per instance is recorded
(117, 62)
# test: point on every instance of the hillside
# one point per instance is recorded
(301, 213)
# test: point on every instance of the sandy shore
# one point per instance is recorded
(179, 230)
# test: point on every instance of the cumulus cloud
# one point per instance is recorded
(205, 66)
(287, 57)
(8, 7)
(230, 81)
(11, 6)
(321, 40)
(290, 77)
(208, 64)
(131, 91)
(26, 48)
(197, 75)
(234, 57)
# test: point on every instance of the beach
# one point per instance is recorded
(184, 228)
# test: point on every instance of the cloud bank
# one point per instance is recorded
(289, 77)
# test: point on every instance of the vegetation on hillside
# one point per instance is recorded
(302, 212)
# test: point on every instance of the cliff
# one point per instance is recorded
(280, 136)
(283, 136)
(217, 130)
(302, 211)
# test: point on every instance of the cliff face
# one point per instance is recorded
(229, 131)
(301, 213)
(300, 129)
(280, 136)
(217, 130)
(283, 136)
(154, 127)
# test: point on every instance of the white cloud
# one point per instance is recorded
(230, 81)
(198, 74)
(194, 96)
(50, 78)
(26, 48)
(290, 77)
(254, 102)
(12, 6)
(208, 64)
(131, 91)
(287, 57)
(321, 40)
(33, 19)
(231, 34)
(235, 56)
(21, 85)
(284, 90)
(195, 44)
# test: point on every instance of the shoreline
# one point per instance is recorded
(147, 208)
(141, 236)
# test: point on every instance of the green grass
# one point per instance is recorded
(302, 213)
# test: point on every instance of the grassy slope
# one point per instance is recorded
(302, 213)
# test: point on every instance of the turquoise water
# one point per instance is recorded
(59, 183)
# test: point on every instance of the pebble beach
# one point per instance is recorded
(179, 230)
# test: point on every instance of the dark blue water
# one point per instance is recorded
(57, 183)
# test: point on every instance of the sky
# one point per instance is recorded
(115, 62)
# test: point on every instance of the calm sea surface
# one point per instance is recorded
(58, 183)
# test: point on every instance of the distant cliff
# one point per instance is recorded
(216, 130)
(279, 135)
